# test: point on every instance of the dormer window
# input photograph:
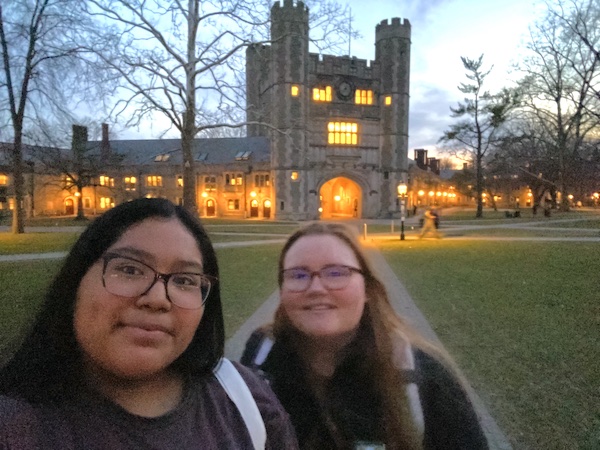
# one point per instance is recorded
(162, 158)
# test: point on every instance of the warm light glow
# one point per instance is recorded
(596, 195)
(445, 194)
(484, 195)
(320, 209)
(337, 198)
(439, 194)
(322, 94)
(388, 100)
(3, 180)
(267, 203)
(77, 194)
(431, 193)
(204, 194)
(294, 176)
(364, 97)
(402, 189)
(295, 90)
(252, 194)
(529, 194)
(570, 196)
(342, 133)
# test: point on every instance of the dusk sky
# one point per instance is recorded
(442, 32)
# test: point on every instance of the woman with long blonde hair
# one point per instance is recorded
(350, 372)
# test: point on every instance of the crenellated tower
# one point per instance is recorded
(392, 52)
(289, 107)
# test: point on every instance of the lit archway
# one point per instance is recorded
(340, 199)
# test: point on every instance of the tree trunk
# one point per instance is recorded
(479, 185)
(18, 226)
(188, 133)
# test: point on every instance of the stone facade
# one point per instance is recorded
(314, 176)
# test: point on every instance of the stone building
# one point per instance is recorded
(338, 126)
(328, 138)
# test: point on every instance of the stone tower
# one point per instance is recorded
(289, 111)
(337, 125)
(392, 52)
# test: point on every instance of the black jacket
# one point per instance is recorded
(353, 406)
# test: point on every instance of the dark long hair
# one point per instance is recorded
(48, 363)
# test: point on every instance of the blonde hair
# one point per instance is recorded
(389, 331)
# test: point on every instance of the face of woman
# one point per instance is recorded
(138, 337)
(319, 312)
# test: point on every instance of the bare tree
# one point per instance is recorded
(558, 92)
(39, 75)
(481, 118)
(184, 61)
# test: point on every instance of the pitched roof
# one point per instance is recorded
(209, 151)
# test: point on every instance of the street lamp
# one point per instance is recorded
(402, 189)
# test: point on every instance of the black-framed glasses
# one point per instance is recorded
(128, 277)
(335, 276)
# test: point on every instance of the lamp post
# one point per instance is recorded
(402, 189)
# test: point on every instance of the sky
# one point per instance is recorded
(442, 32)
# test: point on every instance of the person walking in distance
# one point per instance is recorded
(429, 224)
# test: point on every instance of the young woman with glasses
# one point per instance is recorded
(349, 371)
(123, 352)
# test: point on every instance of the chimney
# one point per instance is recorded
(105, 144)
(421, 158)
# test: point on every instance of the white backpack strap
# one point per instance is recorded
(240, 395)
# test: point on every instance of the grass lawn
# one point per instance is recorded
(523, 322)
(35, 242)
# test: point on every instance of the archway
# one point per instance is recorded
(267, 209)
(254, 208)
(340, 199)
(69, 207)
(210, 208)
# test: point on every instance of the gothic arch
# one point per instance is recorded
(341, 197)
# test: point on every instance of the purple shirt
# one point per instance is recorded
(205, 419)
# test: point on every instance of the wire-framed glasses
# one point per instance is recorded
(128, 277)
(335, 276)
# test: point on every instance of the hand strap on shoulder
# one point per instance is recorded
(240, 395)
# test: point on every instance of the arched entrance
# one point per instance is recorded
(69, 207)
(267, 209)
(340, 199)
(210, 208)
(254, 208)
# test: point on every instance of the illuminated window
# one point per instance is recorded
(261, 180)
(154, 181)
(179, 181)
(107, 181)
(233, 205)
(388, 100)
(295, 90)
(3, 180)
(342, 133)
(322, 94)
(106, 202)
(233, 179)
(364, 97)
(210, 184)
(130, 183)
(294, 176)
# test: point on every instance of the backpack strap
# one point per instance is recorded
(240, 395)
